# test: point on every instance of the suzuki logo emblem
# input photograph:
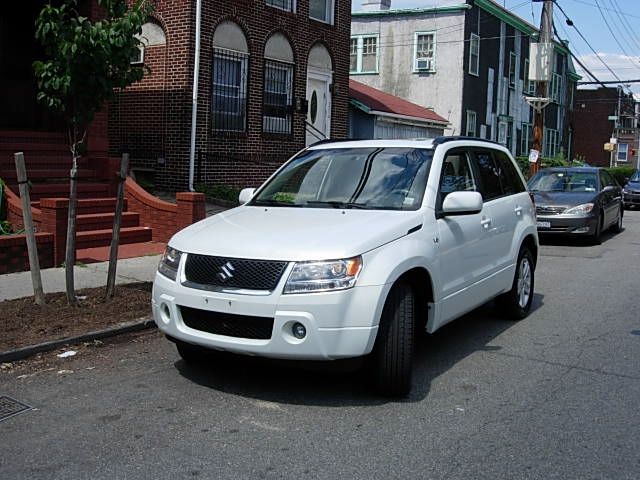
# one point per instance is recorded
(226, 272)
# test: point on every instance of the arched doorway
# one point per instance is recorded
(319, 80)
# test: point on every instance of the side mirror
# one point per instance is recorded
(462, 203)
(245, 195)
(609, 188)
(626, 179)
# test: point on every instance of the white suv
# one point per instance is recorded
(349, 249)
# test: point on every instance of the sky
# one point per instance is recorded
(619, 51)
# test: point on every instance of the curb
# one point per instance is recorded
(24, 352)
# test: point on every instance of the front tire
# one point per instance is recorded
(596, 238)
(192, 354)
(617, 227)
(516, 303)
(393, 351)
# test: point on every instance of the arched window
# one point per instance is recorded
(229, 77)
(152, 35)
(277, 109)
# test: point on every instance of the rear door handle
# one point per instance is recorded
(518, 210)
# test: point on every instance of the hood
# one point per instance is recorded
(633, 185)
(294, 234)
(567, 199)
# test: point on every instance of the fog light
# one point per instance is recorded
(298, 330)
(581, 230)
(165, 313)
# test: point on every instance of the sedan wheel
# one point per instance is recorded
(617, 227)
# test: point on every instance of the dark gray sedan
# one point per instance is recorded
(581, 201)
(631, 191)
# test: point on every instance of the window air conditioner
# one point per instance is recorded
(424, 64)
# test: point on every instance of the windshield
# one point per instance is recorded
(635, 177)
(564, 181)
(365, 178)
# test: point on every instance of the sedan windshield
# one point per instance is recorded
(563, 181)
(635, 177)
(363, 178)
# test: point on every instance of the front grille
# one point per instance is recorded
(549, 210)
(227, 324)
(207, 271)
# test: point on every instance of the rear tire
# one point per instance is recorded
(393, 351)
(516, 303)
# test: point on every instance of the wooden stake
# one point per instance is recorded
(32, 247)
(115, 236)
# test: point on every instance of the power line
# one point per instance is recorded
(628, 28)
(610, 29)
(571, 24)
(609, 9)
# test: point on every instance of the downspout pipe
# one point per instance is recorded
(194, 98)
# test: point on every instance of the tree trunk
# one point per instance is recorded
(32, 247)
(70, 256)
(115, 237)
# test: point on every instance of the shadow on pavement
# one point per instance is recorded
(574, 241)
(346, 383)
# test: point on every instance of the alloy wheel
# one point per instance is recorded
(524, 282)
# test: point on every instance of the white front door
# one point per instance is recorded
(318, 122)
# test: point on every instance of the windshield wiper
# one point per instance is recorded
(273, 203)
(336, 204)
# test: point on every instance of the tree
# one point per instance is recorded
(86, 60)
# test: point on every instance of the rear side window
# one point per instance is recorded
(509, 177)
(489, 174)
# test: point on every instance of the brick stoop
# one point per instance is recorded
(129, 250)
(144, 231)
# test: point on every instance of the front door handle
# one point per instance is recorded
(518, 210)
(485, 222)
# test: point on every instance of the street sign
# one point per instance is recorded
(609, 147)
(613, 140)
(612, 117)
(533, 156)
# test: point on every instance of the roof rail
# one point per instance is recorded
(334, 140)
(440, 140)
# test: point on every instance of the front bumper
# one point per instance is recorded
(339, 324)
(631, 199)
(567, 224)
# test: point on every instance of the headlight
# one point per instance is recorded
(626, 190)
(582, 210)
(323, 276)
(169, 262)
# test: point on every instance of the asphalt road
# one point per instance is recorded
(555, 396)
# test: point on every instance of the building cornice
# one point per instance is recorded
(413, 11)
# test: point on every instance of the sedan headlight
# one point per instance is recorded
(323, 276)
(626, 190)
(580, 210)
(169, 262)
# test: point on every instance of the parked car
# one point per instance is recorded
(348, 250)
(631, 191)
(583, 201)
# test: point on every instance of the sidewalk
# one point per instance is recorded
(130, 270)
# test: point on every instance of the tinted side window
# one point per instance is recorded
(489, 174)
(509, 177)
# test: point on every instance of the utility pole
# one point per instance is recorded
(542, 88)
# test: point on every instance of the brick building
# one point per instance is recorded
(273, 77)
(600, 115)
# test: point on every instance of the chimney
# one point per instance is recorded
(375, 5)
